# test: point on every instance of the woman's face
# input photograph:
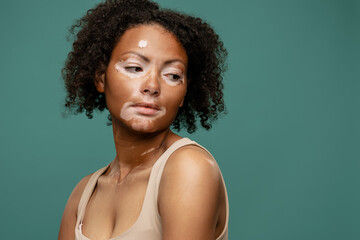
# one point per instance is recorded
(145, 82)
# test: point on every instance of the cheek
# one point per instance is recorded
(117, 95)
(172, 83)
(174, 100)
(121, 86)
(126, 112)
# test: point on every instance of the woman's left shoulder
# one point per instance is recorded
(194, 161)
(189, 194)
(191, 169)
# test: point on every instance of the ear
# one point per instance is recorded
(100, 82)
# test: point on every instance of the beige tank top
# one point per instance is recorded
(148, 224)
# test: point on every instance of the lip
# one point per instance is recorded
(146, 108)
(147, 105)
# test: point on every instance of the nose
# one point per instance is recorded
(151, 84)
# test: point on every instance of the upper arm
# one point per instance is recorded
(68, 221)
(189, 195)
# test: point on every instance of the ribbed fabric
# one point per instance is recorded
(148, 224)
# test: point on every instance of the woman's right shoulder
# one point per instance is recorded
(79, 189)
(69, 217)
(74, 199)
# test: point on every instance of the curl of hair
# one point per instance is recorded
(97, 33)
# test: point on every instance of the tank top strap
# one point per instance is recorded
(88, 190)
(160, 168)
(150, 213)
(148, 224)
(154, 183)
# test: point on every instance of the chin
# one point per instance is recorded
(144, 127)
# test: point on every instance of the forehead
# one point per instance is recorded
(160, 43)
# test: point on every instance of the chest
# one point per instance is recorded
(113, 207)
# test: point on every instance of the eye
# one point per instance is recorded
(133, 69)
(174, 77)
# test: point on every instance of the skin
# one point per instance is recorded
(191, 199)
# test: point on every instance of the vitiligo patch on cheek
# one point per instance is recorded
(139, 122)
(128, 68)
(127, 113)
(171, 83)
(118, 66)
(142, 43)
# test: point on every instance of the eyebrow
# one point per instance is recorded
(147, 59)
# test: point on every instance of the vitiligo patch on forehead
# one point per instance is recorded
(142, 43)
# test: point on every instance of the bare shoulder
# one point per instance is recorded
(68, 220)
(192, 161)
(190, 165)
(189, 194)
(79, 189)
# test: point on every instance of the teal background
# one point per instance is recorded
(288, 148)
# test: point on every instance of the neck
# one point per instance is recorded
(134, 150)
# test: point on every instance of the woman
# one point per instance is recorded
(151, 68)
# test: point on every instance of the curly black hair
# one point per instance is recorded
(96, 34)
